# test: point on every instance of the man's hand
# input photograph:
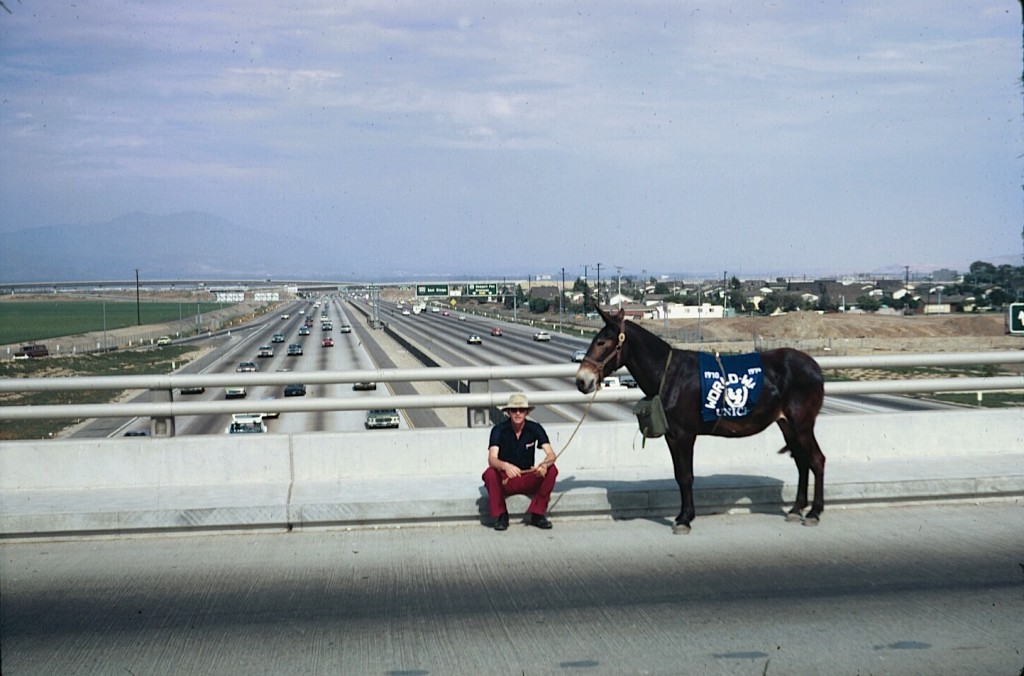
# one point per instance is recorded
(511, 471)
(541, 470)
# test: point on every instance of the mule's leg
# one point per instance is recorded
(796, 449)
(680, 444)
(816, 460)
(809, 460)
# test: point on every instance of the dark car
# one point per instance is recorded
(295, 350)
(295, 390)
(247, 367)
(365, 385)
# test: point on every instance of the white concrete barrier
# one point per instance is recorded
(278, 479)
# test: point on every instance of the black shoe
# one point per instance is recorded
(540, 521)
(501, 523)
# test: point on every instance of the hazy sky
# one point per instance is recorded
(529, 137)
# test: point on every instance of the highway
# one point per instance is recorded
(443, 336)
(908, 590)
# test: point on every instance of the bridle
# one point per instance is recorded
(615, 353)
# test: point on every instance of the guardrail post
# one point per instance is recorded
(478, 417)
(161, 426)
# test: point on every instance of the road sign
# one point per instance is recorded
(480, 290)
(1015, 320)
(431, 289)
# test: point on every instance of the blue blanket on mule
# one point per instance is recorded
(734, 392)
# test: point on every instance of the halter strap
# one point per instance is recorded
(600, 365)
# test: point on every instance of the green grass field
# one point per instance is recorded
(35, 321)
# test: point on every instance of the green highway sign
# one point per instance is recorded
(1015, 320)
(431, 289)
(480, 290)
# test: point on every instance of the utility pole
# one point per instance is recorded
(138, 309)
(618, 272)
(561, 300)
(598, 283)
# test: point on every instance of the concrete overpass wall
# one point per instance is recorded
(154, 483)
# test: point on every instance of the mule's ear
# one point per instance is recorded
(608, 317)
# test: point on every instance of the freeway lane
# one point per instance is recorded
(910, 590)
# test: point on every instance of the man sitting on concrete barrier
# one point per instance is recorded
(510, 464)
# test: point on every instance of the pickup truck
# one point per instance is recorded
(612, 383)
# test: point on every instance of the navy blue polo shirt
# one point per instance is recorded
(520, 452)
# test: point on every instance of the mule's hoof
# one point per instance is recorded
(681, 529)
(811, 521)
(793, 517)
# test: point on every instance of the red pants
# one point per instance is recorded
(525, 484)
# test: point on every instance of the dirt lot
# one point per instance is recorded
(849, 333)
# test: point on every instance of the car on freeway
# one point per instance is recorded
(295, 350)
(136, 433)
(381, 418)
(327, 342)
(345, 328)
(542, 336)
(295, 390)
(406, 313)
(247, 367)
(474, 340)
(579, 355)
(326, 326)
(628, 380)
(278, 338)
(285, 316)
(462, 318)
(163, 340)
(265, 351)
(234, 392)
(192, 389)
(612, 383)
(445, 313)
(246, 423)
(303, 330)
(271, 408)
(365, 385)
(495, 331)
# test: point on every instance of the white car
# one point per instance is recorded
(542, 336)
(579, 355)
(246, 423)
(474, 340)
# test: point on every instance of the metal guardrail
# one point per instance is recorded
(165, 384)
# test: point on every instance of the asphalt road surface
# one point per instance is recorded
(910, 590)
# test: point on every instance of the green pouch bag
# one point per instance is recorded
(651, 417)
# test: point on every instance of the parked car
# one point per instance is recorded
(327, 342)
(247, 367)
(495, 331)
(474, 340)
(295, 350)
(246, 423)
(278, 338)
(295, 390)
(366, 385)
(542, 336)
(579, 355)
(265, 351)
(381, 418)
(163, 340)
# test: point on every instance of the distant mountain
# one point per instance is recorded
(189, 245)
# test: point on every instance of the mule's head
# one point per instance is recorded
(604, 354)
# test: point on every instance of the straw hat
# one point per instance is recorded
(516, 400)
